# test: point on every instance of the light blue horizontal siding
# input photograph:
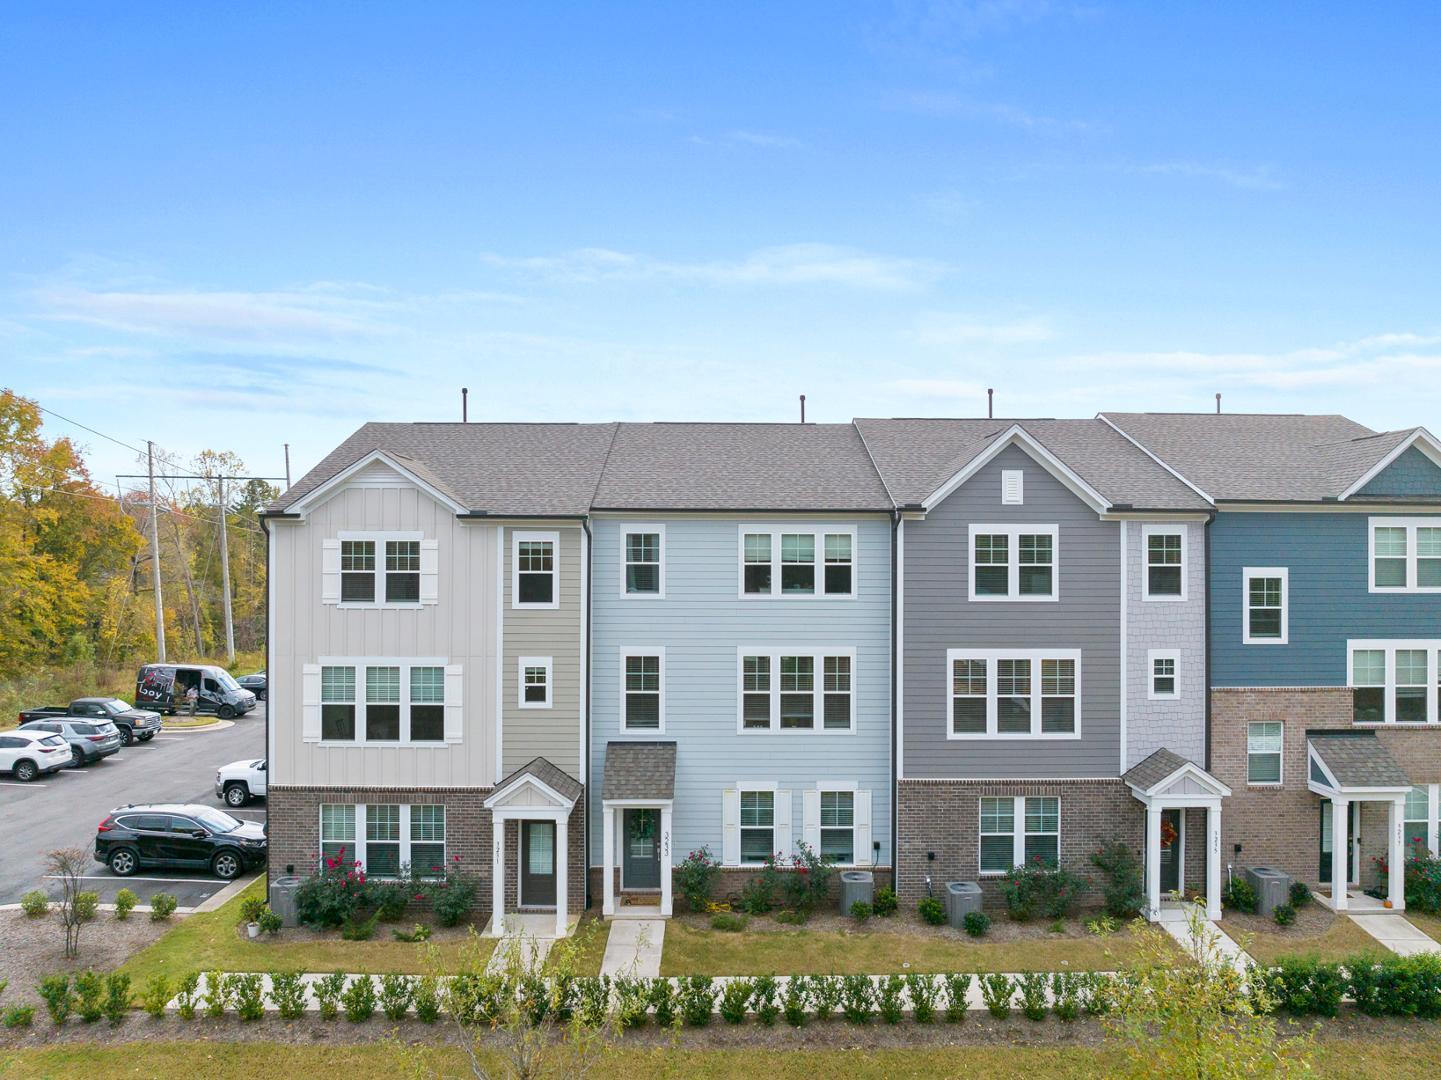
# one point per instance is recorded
(701, 623)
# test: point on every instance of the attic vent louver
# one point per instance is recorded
(1013, 487)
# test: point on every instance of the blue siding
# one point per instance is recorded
(1326, 559)
(701, 623)
(1413, 473)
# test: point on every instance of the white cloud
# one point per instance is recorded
(942, 103)
(951, 329)
(1254, 178)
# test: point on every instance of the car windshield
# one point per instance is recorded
(52, 740)
(225, 680)
(215, 821)
(115, 706)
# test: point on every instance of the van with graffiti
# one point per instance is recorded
(163, 687)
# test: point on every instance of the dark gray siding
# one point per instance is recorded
(939, 616)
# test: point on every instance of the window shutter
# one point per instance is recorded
(785, 838)
(454, 703)
(731, 827)
(1013, 487)
(863, 828)
(429, 572)
(811, 819)
(310, 701)
(329, 573)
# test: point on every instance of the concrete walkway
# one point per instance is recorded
(1177, 924)
(528, 937)
(634, 947)
(1395, 932)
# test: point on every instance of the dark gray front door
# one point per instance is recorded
(641, 859)
(1353, 841)
(1171, 854)
(537, 864)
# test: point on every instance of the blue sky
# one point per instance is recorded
(236, 226)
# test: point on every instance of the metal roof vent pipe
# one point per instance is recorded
(1218, 404)
(803, 408)
(464, 405)
(990, 404)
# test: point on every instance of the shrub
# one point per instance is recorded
(395, 996)
(87, 906)
(932, 910)
(1096, 992)
(390, 898)
(250, 909)
(1032, 987)
(358, 929)
(35, 904)
(332, 897)
(186, 995)
(58, 995)
(764, 999)
(593, 1000)
(632, 1000)
(861, 911)
(156, 995)
(90, 996)
(1066, 995)
(533, 993)
(414, 936)
(793, 918)
(125, 901)
(1422, 881)
(889, 998)
(217, 994)
(1301, 895)
(697, 1000)
(452, 898)
(729, 922)
(162, 906)
(886, 901)
(958, 987)
(695, 878)
(1038, 889)
(761, 891)
(1122, 888)
(270, 922)
(359, 999)
(857, 998)
(248, 993)
(287, 994)
(426, 996)
(796, 999)
(1104, 926)
(809, 881)
(1284, 914)
(664, 1002)
(18, 1016)
(976, 923)
(735, 1000)
(1397, 985)
(1239, 895)
(327, 990)
(826, 993)
(1305, 986)
(923, 991)
(996, 991)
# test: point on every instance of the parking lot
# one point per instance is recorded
(62, 809)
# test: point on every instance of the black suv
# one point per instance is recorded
(183, 836)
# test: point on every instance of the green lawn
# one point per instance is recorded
(839, 952)
(209, 941)
(1340, 1060)
(1342, 939)
(1430, 925)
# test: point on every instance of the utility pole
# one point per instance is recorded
(155, 558)
(225, 578)
(287, 466)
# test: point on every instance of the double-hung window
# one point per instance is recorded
(1263, 752)
(643, 565)
(1000, 692)
(382, 704)
(757, 825)
(337, 703)
(380, 569)
(535, 681)
(791, 562)
(1014, 562)
(1265, 605)
(1405, 554)
(534, 570)
(1416, 828)
(838, 826)
(386, 839)
(1163, 665)
(1165, 547)
(389, 702)
(337, 834)
(642, 690)
(427, 703)
(797, 690)
(1395, 681)
(1004, 845)
(357, 571)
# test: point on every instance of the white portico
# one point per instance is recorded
(538, 797)
(1166, 782)
(1347, 768)
(637, 800)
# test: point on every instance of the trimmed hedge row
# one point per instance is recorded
(1379, 985)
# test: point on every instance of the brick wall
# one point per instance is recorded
(1280, 826)
(728, 885)
(943, 816)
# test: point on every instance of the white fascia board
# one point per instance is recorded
(319, 494)
(1421, 439)
(1018, 436)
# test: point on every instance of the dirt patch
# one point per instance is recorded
(35, 948)
(1313, 920)
(903, 924)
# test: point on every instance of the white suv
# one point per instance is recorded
(29, 754)
(240, 781)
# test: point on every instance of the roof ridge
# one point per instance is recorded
(856, 427)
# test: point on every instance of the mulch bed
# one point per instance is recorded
(1313, 920)
(35, 948)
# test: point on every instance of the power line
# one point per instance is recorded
(77, 423)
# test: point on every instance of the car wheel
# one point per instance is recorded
(123, 862)
(226, 712)
(25, 771)
(77, 758)
(146, 737)
(236, 795)
(127, 736)
(226, 865)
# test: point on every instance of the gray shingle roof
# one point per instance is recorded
(1262, 457)
(1358, 759)
(739, 467)
(545, 470)
(552, 776)
(639, 770)
(1150, 771)
(916, 456)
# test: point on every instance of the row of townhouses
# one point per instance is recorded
(561, 656)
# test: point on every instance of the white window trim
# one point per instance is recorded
(819, 532)
(818, 654)
(625, 533)
(741, 790)
(1013, 554)
(990, 656)
(1156, 528)
(1152, 655)
(1410, 524)
(641, 650)
(1018, 832)
(524, 662)
(379, 539)
(1433, 812)
(1247, 574)
(405, 663)
(1280, 780)
(518, 536)
(360, 843)
(846, 788)
(1390, 646)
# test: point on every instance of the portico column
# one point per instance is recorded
(1213, 862)
(562, 876)
(1340, 854)
(607, 847)
(665, 848)
(497, 876)
(1396, 857)
(1153, 862)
